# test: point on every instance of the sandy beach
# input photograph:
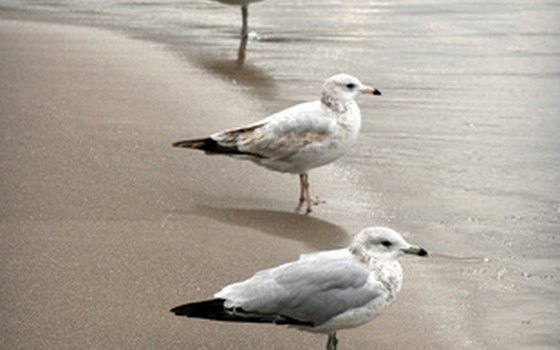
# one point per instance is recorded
(105, 226)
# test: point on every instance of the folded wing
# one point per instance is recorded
(313, 289)
(276, 137)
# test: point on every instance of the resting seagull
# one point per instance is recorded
(297, 139)
(321, 292)
(244, 13)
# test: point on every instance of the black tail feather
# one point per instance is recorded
(211, 146)
(206, 144)
(215, 310)
(211, 309)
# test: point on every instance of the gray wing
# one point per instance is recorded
(282, 134)
(315, 288)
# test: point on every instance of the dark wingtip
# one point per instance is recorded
(184, 143)
(180, 310)
(211, 309)
(196, 143)
(376, 92)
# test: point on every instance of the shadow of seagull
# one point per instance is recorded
(313, 232)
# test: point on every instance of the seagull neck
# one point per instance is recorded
(370, 260)
(333, 104)
(361, 255)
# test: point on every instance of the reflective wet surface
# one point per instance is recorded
(463, 144)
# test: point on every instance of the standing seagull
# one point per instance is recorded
(244, 13)
(321, 292)
(297, 139)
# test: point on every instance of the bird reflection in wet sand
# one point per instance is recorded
(321, 292)
(244, 13)
(297, 139)
(241, 52)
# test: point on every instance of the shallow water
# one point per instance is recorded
(464, 143)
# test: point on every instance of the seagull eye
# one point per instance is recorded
(350, 86)
(386, 244)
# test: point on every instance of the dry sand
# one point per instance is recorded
(104, 226)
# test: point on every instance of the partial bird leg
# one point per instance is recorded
(302, 180)
(332, 342)
(304, 194)
(244, 19)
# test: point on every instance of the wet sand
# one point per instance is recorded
(105, 226)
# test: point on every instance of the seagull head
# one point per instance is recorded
(343, 88)
(383, 243)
